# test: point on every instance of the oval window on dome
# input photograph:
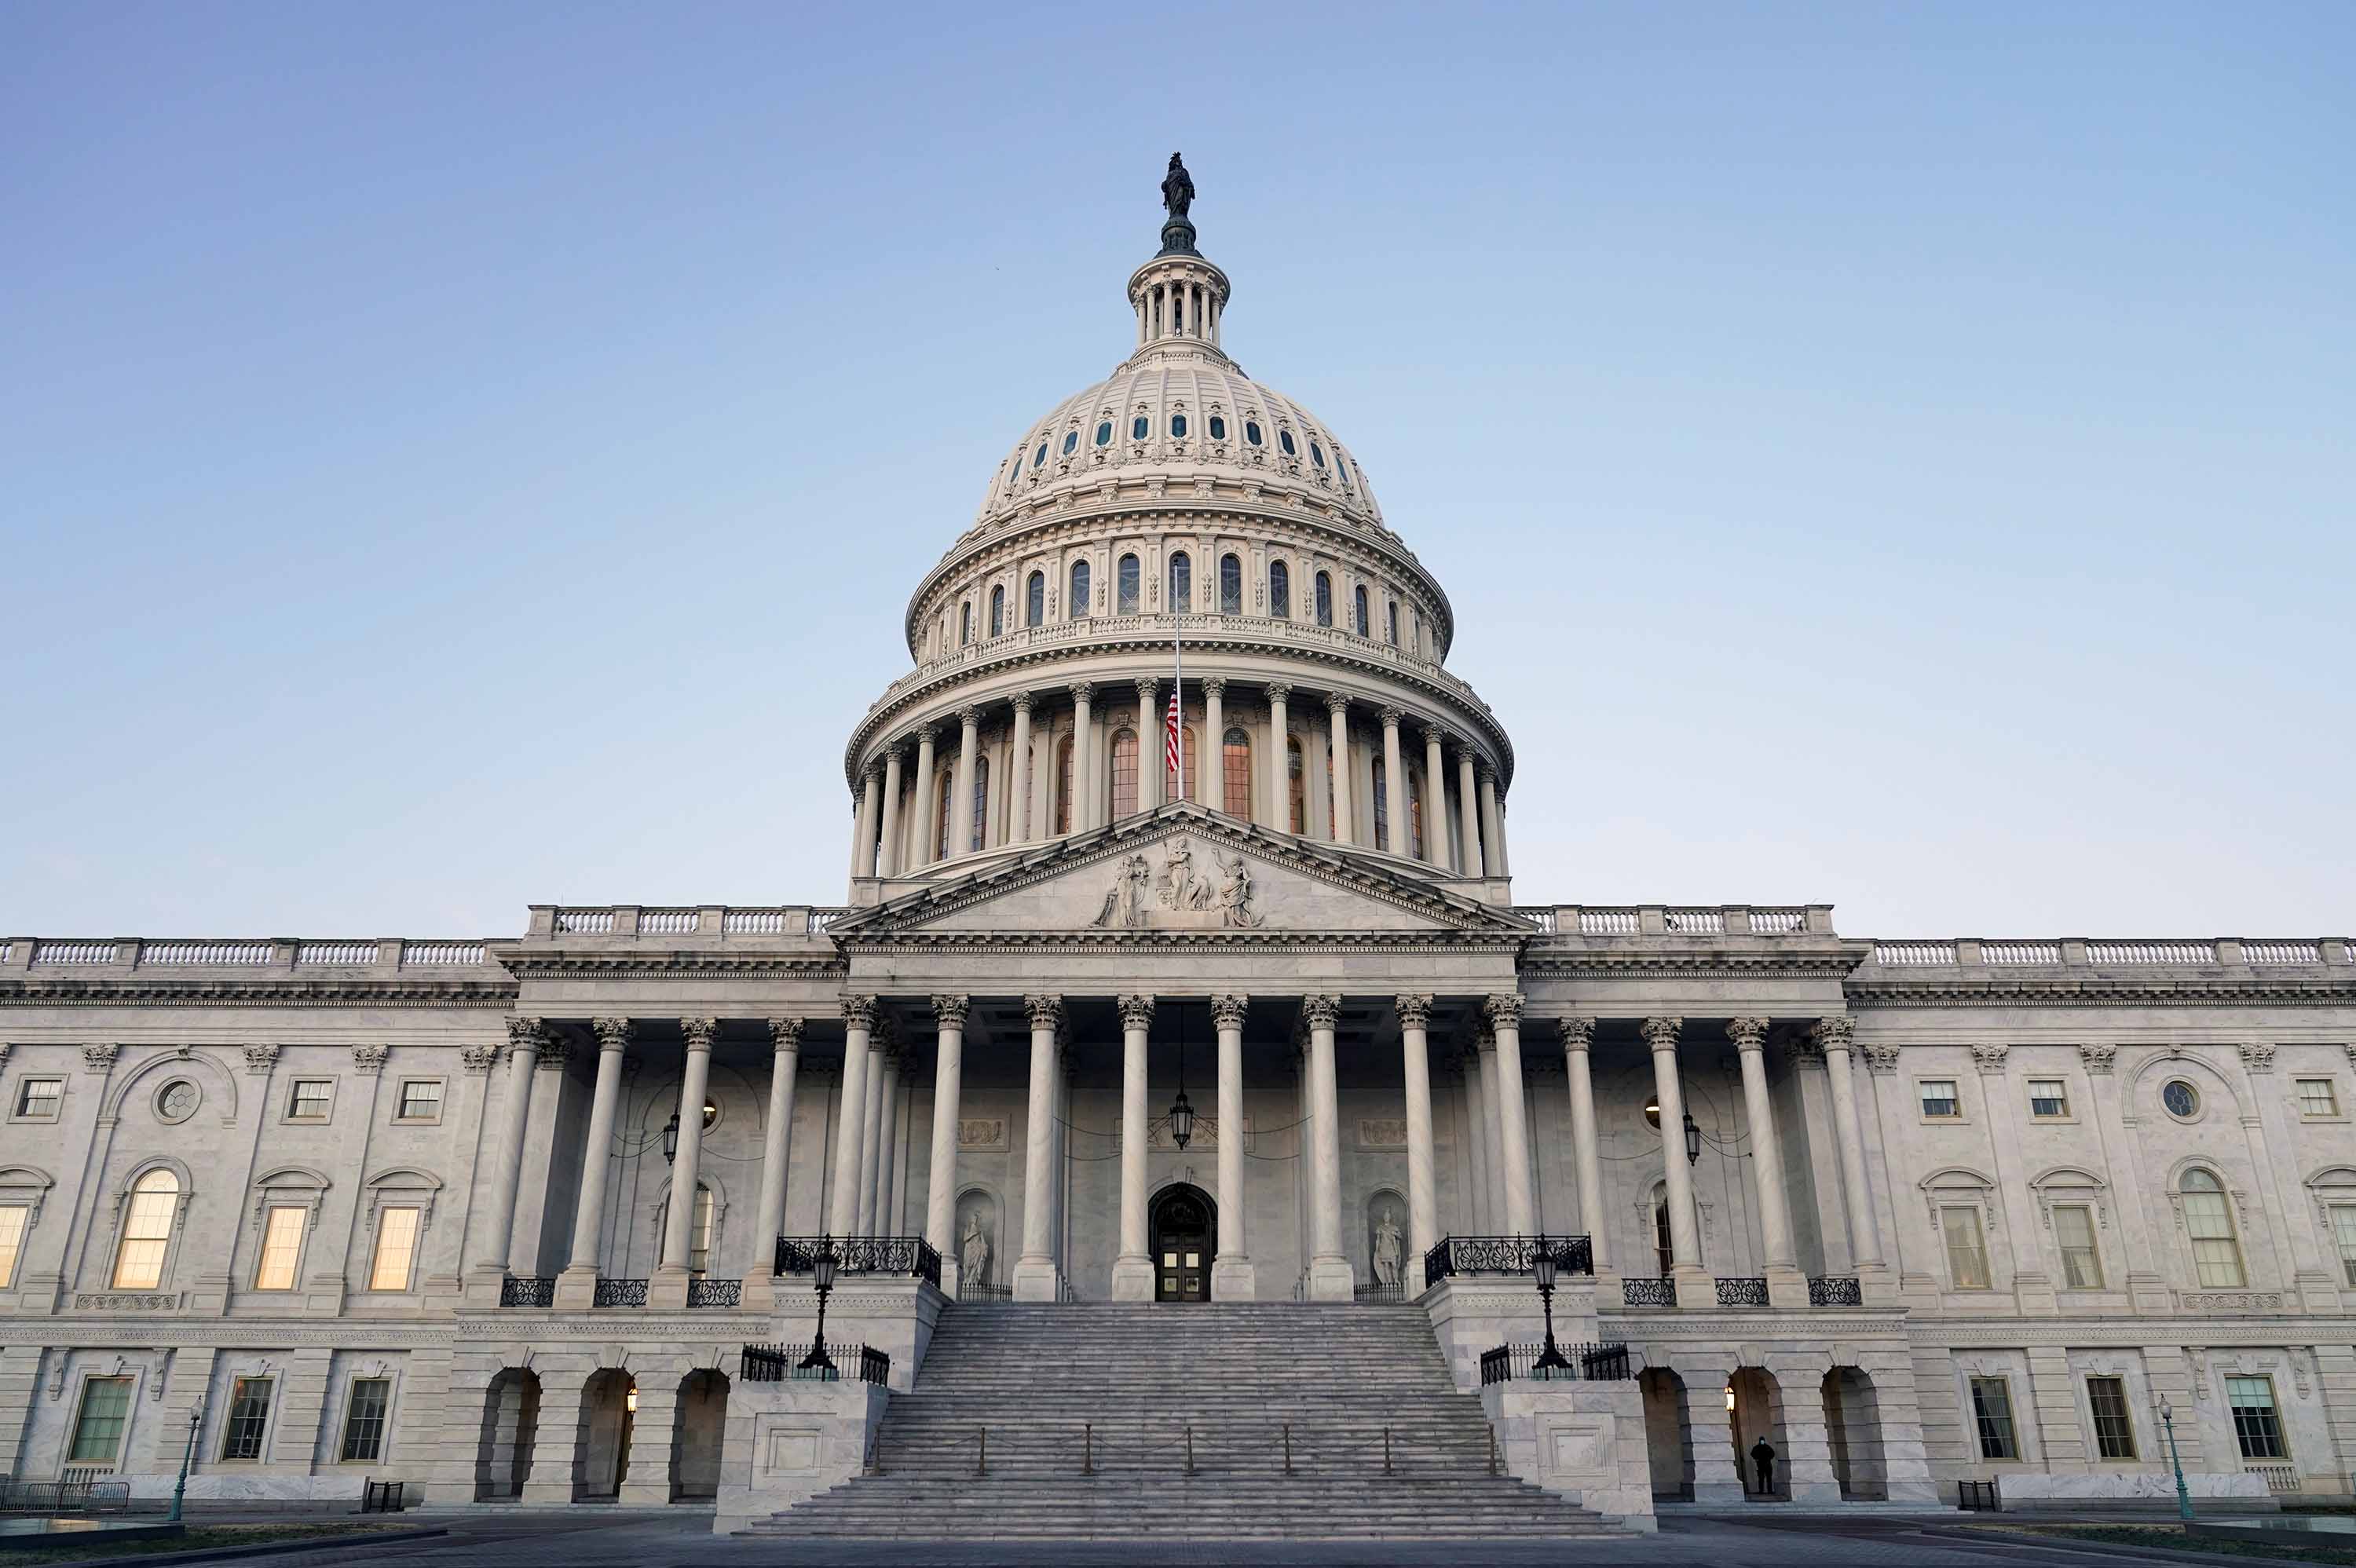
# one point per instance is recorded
(1178, 424)
(1317, 455)
(1039, 458)
(1071, 439)
(1283, 438)
(1104, 433)
(1137, 427)
(1219, 428)
(1341, 465)
(1251, 431)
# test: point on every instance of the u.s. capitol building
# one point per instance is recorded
(500, 1216)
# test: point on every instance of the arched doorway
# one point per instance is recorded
(1668, 1434)
(510, 1424)
(1853, 1431)
(1757, 1417)
(700, 1426)
(1185, 1228)
(608, 1402)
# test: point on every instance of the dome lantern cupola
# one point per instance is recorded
(1178, 294)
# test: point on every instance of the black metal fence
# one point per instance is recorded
(384, 1496)
(619, 1293)
(1639, 1290)
(1589, 1364)
(1505, 1254)
(911, 1256)
(988, 1294)
(783, 1363)
(715, 1293)
(1375, 1293)
(1978, 1496)
(74, 1494)
(1834, 1291)
(1742, 1293)
(536, 1290)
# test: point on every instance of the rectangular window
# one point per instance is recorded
(2048, 1097)
(2252, 1403)
(396, 1244)
(39, 1097)
(2317, 1097)
(2114, 1433)
(1939, 1098)
(2082, 1266)
(281, 1244)
(98, 1425)
(2344, 1231)
(13, 1217)
(249, 1418)
(364, 1419)
(421, 1099)
(310, 1099)
(1992, 1411)
(1966, 1253)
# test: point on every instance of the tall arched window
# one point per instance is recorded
(146, 1231)
(1382, 804)
(1126, 579)
(1358, 608)
(1124, 774)
(1390, 623)
(1296, 782)
(1063, 784)
(1324, 599)
(943, 789)
(1078, 605)
(1182, 585)
(1236, 774)
(1279, 591)
(1664, 1256)
(965, 623)
(980, 801)
(1231, 585)
(998, 611)
(699, 1233)
(1035, 596)
(1414, 815)
(2209, 1220)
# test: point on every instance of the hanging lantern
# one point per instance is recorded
(670, 1139)
(1182, 1121)
(1693, 1141)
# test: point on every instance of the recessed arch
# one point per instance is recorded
(219, 1080)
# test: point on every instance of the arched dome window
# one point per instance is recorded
(1283, 439)
(1317, 455)
(1078, 605)
(1251, 433)
(1390, 623)
(1358, 607)
(998, 611)
(1182, 585)
(1324, 598)
(1231, 585)
(1039, 458)
(1178, 426)
(1296, 784)
(1219, 428)
(1414, 816)
(1063, 784)
(147, 1232)
(1071, 441)
(1236, 774)
(1124, 774)
(980, 801)
(1139, 428)
(1382, 804)
(1125, 583)
(1279, 591)
(2209, 1220)
(1034, 596)
(965, 623)
(944, 812)
(1341, 465)
(1104, 433)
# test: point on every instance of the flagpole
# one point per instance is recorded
(1177, 703)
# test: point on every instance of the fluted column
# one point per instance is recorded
(862, 829)
(777, 1153)
(1514, 1120)
(888, 851)
(667, 1290)
(1211, 748)
(948, 1087)
(1786, 1286)
(1493, 827)
(871, 1127)
(1034, 1271)
(1132, 1270)
(1084, 770)
(1836, 1035)
(1422, 1179)
(576, 1287)
(1577, 1034)
(1020, 828)
(1435, 801)
(1480, 1208)
(1152, 750)
(1694, 1287)
(1233, 1275)
(1279, 760)
(1492, 1127)
(851, 1121)
(961, 836)
(1394, 825)
(525, 1038)
(1468, 811)
(1338, 706)
(886, 1220)
(1331, 1277)
(928, 804)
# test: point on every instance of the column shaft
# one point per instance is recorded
(1576, 1034)
(888, 851)
(1782, 1267)
(928, 804)
(961, 834)
(1435, 802)
(862, 831)
(777, 1142)
(850, 1120)
(1020, 828)
(524, 1039)
(1083, 808)
(1512, 1114)
(1280, 761)
(1339, 706)
(948, 1080)
(589, 1213)
(1684, 1239)
(1468, 812)
(1211, 748)
(1331, 1277)
(886, 1220)
(1423, 1183)
(679, 1222)
(1233, 1277)
(1132, 1270)
(1480, 1206)
(1857, 1202)
(1395, 824)
(1493, 828)
(1034, 1271)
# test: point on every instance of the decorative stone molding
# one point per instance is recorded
(367, 1061)
(2098, 1060)
(1414, 1012)
(1807, 1053)
(99, 1058)
(1136, 1012)
(2230, 1300)
(1045, 1012)
(1321, 1011)
(1661, 1034)
(478, 1058)
(1227, 1012)
(1747, 1034)
(1382, 1132)
(126, 1301)
(259, 1059)
(784, 1035)
(981, 1132)
(1989, 1059)
(2256, 1058)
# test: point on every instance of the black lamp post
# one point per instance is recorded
(180, 1487)
(671, 1140)
(1182, 1114)
(822, 1275)
(1693, 1141)
(2183, 1493)
(1543, 1264)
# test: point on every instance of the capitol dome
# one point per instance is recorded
(1178, 510)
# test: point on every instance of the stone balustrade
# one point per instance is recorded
(1566, 922)
(631, 923)
(2084, 953)
(279, 953)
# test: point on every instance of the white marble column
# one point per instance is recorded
(928, 804)
(863, 830)
(776, 1151)
(886, 1220)
(888, 851)
(1338, 706)
(1493, 1130)
(1468, 812)
(1695, 1286)
(1034, 1271)
(1786, 1285)
(851, 1122)
(1422, 1179)
(1331, 1277)
(1480, 1208)
(668, 1289)
(1492, 824)
(1084, 769)
(1020, 828)
(1395, 824)
(1152, 747)
(1435, 801)
(1211, 747)
(501, 1253)
(961, 836)
(1132, 1270)
(1279, 760)
(1577, 1034)
(940, 1189)
(1835, 1034)
(1514, 1113)
(1233, 1275)
(576, 1287)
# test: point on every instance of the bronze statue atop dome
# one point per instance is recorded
(1177, 188)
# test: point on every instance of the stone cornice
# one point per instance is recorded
(668, 963)
(276, 992)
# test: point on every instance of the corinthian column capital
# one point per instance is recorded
(613, 1034)
(1747, 1034)
(1414, 1012)
(699, 1032)
(1661, 1034)
(951, 1010)
(1578, 1034)
(1228, 1012)
(785, 1034)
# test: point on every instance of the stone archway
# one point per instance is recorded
(510, 1426)
(602, 1447)
(698, 1430)
(1184, 1228)
(1668, 1434)
(1853, 1434)
(1758, 1416)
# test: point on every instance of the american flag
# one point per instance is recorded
(1171, 732)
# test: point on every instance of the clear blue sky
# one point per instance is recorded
(466, 455)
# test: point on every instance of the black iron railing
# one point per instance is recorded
(1640, 1291)
(1834, 1291)
(715, 1293)
(74, 1494)
(1375, 1293)
(975, 1290)
(619, 1293)
(1978, 1496)
(911, 1256)
(783, 1363)
(383, 1497)
(535, 1290)
(1504, 1254)
(1589, 1364)
(1742, 1293)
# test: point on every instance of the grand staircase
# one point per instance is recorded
(1097, 1421)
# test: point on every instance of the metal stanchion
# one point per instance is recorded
(1087, 1448)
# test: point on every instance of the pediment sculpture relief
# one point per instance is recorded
(1179, 897)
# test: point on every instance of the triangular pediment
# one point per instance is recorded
(1186, 870)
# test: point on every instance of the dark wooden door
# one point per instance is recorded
(1183, 1237)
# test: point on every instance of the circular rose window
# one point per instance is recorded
(176, 1100)
(2182, 1100)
